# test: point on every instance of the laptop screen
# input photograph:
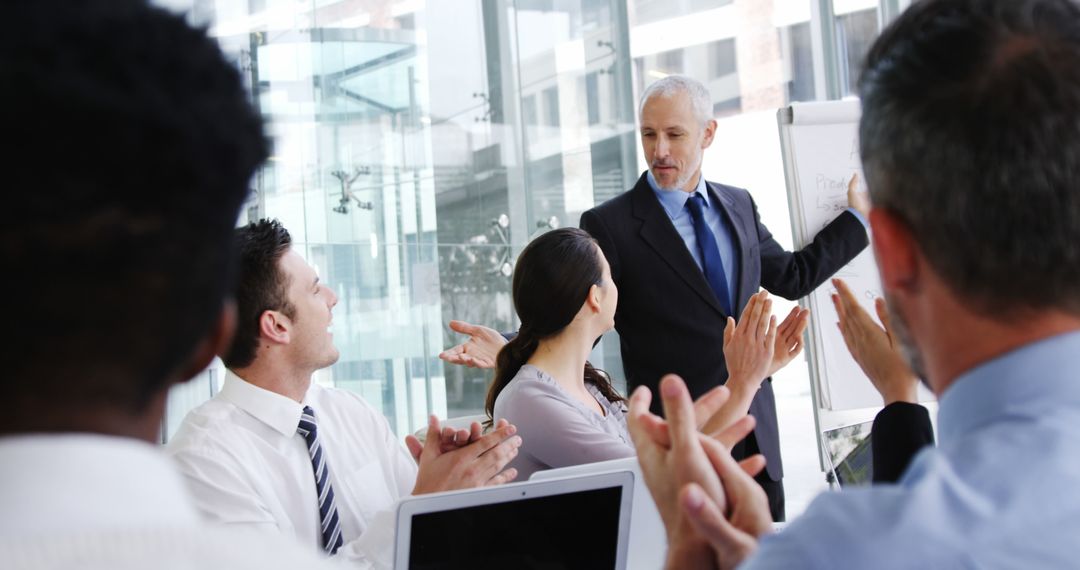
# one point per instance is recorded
(570, 530)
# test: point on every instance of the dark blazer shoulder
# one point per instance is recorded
(622, 204)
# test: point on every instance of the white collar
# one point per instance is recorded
(279, 412)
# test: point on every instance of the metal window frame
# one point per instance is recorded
(825, 43)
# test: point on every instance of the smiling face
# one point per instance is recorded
(674, 140)
(311, 343)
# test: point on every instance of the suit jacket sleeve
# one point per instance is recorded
(900, 430)
(795, 274)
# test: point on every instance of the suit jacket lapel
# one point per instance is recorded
(658, 231)
(741, 241)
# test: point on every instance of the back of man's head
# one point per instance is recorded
(260, 286)
(130, 147)
(970, 135)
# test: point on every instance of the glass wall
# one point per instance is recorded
(419, 145)
(757, 56)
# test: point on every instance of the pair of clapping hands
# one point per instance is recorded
(712, 508)
(449, 459)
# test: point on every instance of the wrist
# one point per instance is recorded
(900, 390)
(688, 551)
(743, 384)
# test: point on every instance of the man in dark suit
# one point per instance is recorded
(672, 306)
(679, 281)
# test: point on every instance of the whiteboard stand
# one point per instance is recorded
(819, 146)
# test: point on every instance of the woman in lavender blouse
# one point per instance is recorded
(566, 411)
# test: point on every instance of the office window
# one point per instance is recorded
(401, 170)
(722, 58)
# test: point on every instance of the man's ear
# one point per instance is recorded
(216, 341)
(710, 132)
(275, 326)
(896, 251)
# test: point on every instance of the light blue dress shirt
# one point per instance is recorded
(674, 204)
(1002, 490)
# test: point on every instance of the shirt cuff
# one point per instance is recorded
(860, 217)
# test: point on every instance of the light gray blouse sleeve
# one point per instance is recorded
(556, 431)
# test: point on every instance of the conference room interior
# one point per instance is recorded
(420, 145)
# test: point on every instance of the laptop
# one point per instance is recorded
(850, 455)
(648, 538)
(565, 523)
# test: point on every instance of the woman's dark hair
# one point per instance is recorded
(551, 282)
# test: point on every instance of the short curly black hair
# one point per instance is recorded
(131, 147)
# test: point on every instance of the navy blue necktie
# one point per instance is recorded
(328, 515)
(711, 264)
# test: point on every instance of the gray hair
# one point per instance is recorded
(977, 149)
(700, 100)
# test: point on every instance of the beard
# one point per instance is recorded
(908, 349)
(685, 175)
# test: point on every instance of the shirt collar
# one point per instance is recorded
(674, 201)
(279, 412)
(1031, 381)
(76, 482)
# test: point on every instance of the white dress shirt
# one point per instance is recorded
(92, 501)
(245, 464)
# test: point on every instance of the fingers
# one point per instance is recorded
(657, 430)
(494, 439)
(729, 330)
(753, 465)
(850, 305)
(464, 327)
(476, 430)
(708, 520)
(503, 477)
(853, 184)
(453, 354)
(883, 315)
(770, 334)
(764, 321)
(843, 298)
(678, 410)
(789, 322)
(757, 303)
(735, 432)
(414, 446)
(709, 403)
(492, 462)
(432, 442)
(642, 423)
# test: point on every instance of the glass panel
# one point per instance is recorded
(417, 148)
(754, 57)
(856, 30)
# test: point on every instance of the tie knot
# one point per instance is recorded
(695, 204)
(307, 422)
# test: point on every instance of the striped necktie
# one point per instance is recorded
(712, 266)
(328, 516)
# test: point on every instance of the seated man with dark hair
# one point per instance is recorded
(275, 451)
(970, 142)
(131, 144)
